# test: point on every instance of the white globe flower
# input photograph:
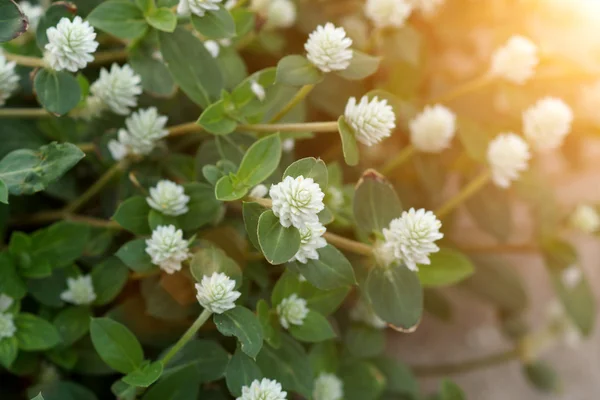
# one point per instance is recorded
(328, 387)
(292, 310)
(167, 248)
(5, 302)
(213, 48)
(93, 108)
(118, 151)
(33, 12)
(372, 121)
(297, 201)
(216, 293)
(259, 191)
(388, 13)
(79, 291)
(288, 145)
(311, 239)
(70, 44)
(197, 7)
(433, 129)
(515, 61)
(328, 48)
(258, 90)
(7, 326)
(547, 123)
(144, 129)
(281, 14)
(585, 218)
(363, 312)
(412, 237)
(508, 156)
(169, 198)
(264, 389)
(118, 89)
(9, 80)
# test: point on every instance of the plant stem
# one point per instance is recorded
(23, 113)
(466, 366)
(87, 147)
(49, 216)
(403, 156)
(26, 61)
(182, 129)
(330, 126)
(189, 334)
(110, 56)
(302, 93)
(100, 58)
(468, 87)
(466, 192)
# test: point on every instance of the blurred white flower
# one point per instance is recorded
(388, 13)
(93, 108)
(562, 325)
(197, 7)
(311, 239)
(547, 123)
(292, 310)
(265, 389)
(79, 291)
(297, 201)
(258, 90)
(213, 48)
(427, 7)
(169, 198)
(328, 387)
(33, 12)
(433, 129)
(259, 191)
(508, 156)
(118, 150)
(118, 89)
(217, 293)
(372, 121)
(144, 129)
(363, 312)
(515, 61)
(230, 4)
(412, 237)
(167, 248)
(281, 14)
(9, 80)
(334, 197)
(585, 218)
(328, 48)
(5, 302)
(571, 276)
(70, 44)
(288, 145)
(7, 326)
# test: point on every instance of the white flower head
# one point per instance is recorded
(216, 293)
(5, 302)
(372, 121)
(311, 239)
(93, 108)
(197, 7)
(388, 13)
(412, 237)
(264, 389)
(7, 326)
(281, 14)
(428, 7)
(571, 276)
(585, 218)
(33, 12)
(144, 129)
(118, 150)
(292, 310)
(167, 248)
(515, 61)
(259, 191)
(363, 312)
(213, 48)
(9, 80)
(118, 89)
(258, 90)
(547, 123)
(433, 129)
(70, 44)
(288, 145)
(79, 291)
(328, 48)
(328, 387)
(169, 198)
(508, 156)
(297, 201)
(334, 198)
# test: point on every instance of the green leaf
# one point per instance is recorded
(362, 381)
(109, 278)
(134, 255)
(399, 377)
(315, 328)
(206, 358)
(3, 192)
(64, 390)
(323, 301)
(162, 19)
(120, 18)
(241, 323)
(227, 190)
(251, 213)
(202, 207)
(10, 282)
(241, 371)
(144, 376)
(57, 91)
(116, 345)
(309, 167)
(331, 271)
(156, 219)
(35, 333)
(216, 120)
(38, 397)
(277, 242)
(212, 259)
(145, 5)
(349, 145)
(324, 357)
(13, 23)
(156, 79)
(358, 335)
(543, 377)
(9, 347)
(396, 296)
(269, 323)
(215, 24)
(490, 207)
(245, 100)
(47, 290)
(260, 161)
(72, 324)
(51, 17)
(451, 391)
(296, 70)
(182, 385)
(60, 244)
(361, 66)
(132, 215)
(447, 267)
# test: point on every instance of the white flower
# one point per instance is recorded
(80, 290)
(9, 80)
(265, 389)
(372, 121)
(33, 14)
(7, 326)
(428, 7)
(508, 155)
(297, 201)
(412, 237)
(363, 312)
(259, 191)
(311, 239)
(515, 61)
(167, 248)
(571, 276)
(118, 89)
(213, 48)
(5, 302)
(169, 198)
(433, 129)
(197, 7)
(93, 108)
(118, 151)
(216, 293)
(258, 90)
(288, 145)
(281, 14)
(328, 387)
(328, 48)
(561, 324)
(547, 123)
(292, 310)
(230, 4)
(144, 129)
(70, 44)
(585, 218)
(388, 13)
(334, 198)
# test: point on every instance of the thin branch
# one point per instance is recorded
(330, 126)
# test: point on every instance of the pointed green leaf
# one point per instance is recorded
(331, 271)
(207, 358)
(72, 324)
(241, 323)
(447, 267)
(109, 278)
(162, 19)
(134, 255)
(361, 66)
(132, 215)
(120, 18)
(451, 391)
(296, 70)
(144, 376)
(216, 120)
(9, 347)
(215, 24)
(309, 167)
(212, 259)
(349, 144)
(252, 212)
(278, 243)
(116, 345)
(227, 190)
(34, 333)
(260, 161)
(315, 328)
(362, 381)
(241, 371)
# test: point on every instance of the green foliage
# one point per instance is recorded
(14, 22)
(447, 267)
(361, 66)
(277, 242)
(57, 91)
(297, 71)
(116, 345)
(241, 323)
(349, 144)
(331, 271)
(162, 19)
(542, 376)
(215, 24)
(34, 333)
(241, 371)
(120, 18)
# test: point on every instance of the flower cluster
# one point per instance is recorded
(216, 293)
(167, 248)
(80, 290)
(292, 310)
(9, 80)
(372, 121)
(547, 123)
(433, 129)
(328, 48)
(70, 45)
(144, 129)
(169, 198)
(264, 389)
(117, 89)
(508, 156)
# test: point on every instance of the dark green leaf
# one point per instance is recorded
(9, 347)
(132, 215)
(64, 390)
(260, 161)
(144, 376)
(109, 278)
(252, 212)
(324, 357)
(162, 19)
(241, 323)
(60, 244)
(47, 290)
(331, 271)
(206, 358)
(543, 377)
(296, 70)
(34, 333)
(361, 66)
(72, 324)
(10, 282)
(241, 371)
(216, 120)
(207, 261)
(202, 207)
(120, 18)
(156, 78)
(215, 24)
(13, 23)
(183, 385)
(315, 328)
(309, 167)
(447, 267)
(362, 381)
(57, 91)
(278, 243)
(227, 190)
(116, 345)
(269, 323)
(3, 192)
(399, 377)
(357, 337)
(451, 391)
(134, 255)
(349, 145)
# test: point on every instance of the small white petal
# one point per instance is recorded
(292, 310)
(433, 129)
(216, 293)
(311, 240)
(264, 389)
(288, 145)
(213, 48)
(259, 191)
(372, 121)
(547, 123)
(168, 198)
(297, 201)
(144, 129)
(328, 48)
(70, 44)
(197, 7)
(388, 13)
(9, 80)
(585, 218)
(328, 387)
(363, 312)
(167, 248)
(118, 89)
(79, 291)
(508, 156)
(7, 326)
(515, 61)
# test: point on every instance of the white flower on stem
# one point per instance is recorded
(571, 276)
(328, 48)
(118, 150)
(144, 129)
(363, 312)
(7, 326)
(259, 191)
(5, 302)
(33, 12)
(167, 248)
(169, 198)
(515, 61)
(585, 218)
(412, 237)
(281, 14)
(547, 123)
(297, 201)
(388, 13)
(433, 129)
(264, 389)
(70, 44)
(508, 156)
(328, 387)
(118, 89)
(213, 48)
(197, 7)
(372, 121)
(428, 7)
(9, 80)
(258, 90)
(292, 310)
(216, 293)
(79, 291)
(311, 239)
